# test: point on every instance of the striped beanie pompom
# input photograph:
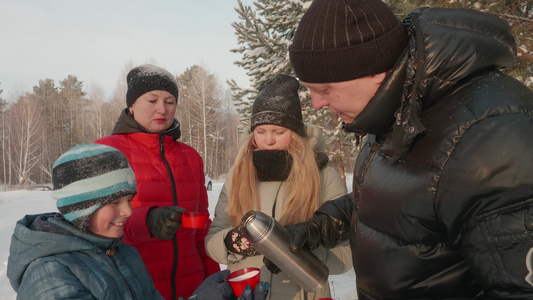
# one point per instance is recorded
(87, 177)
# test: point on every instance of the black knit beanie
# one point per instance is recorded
(146, 78)
(341, 40)
(278, 104)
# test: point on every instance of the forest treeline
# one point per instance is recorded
(37, 126)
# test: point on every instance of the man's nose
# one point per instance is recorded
(318, 102)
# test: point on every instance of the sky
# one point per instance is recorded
(15, 204)
(96, 40)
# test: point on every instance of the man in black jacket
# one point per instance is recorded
(442, 203)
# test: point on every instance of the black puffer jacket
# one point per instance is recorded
(444, 200)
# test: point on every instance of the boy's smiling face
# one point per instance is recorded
(109, 219)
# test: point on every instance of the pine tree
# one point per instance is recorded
(72, 95)
(264, 34)
(48, 96)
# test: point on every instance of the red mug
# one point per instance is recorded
(194, 219)
(239, 279)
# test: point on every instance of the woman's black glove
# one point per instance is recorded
(237, 242)
(271, 266)
(162, 222)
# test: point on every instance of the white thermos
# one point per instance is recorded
(272, 240)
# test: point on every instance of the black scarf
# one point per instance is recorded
(275, 165)
(272, 165)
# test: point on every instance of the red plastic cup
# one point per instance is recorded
(325, 299)
(243, 277)
(194, 219)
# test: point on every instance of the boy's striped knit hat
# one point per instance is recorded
(87, 177)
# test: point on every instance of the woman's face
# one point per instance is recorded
(272, 137)
(109, 219)
(154, 110)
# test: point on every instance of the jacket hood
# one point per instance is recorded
(452, 44)
(445, 46)
(38, 236)
(316, 139)
(127, 124)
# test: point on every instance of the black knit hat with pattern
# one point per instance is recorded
(146, 78)
(278, 104)
(341, 40)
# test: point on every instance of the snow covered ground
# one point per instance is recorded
(15, 204)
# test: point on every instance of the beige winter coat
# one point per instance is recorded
(338, 260)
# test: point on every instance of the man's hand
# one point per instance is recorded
(305, 235)
(329, 227)
(321, 230)
(162, 222)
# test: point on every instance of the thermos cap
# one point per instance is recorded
(256, 225)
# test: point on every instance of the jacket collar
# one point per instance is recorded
(445, 47)
(127, 124)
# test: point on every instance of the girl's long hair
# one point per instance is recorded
(302, 184)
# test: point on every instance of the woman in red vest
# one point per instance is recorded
(170, 179)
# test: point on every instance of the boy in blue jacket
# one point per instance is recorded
(77, 253)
